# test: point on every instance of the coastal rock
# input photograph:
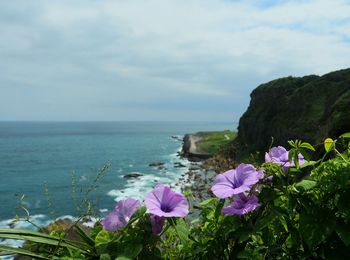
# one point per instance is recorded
(156, 164)
(179, 165)
(195, 168)
(308, 108)
(132, 175)
(176, 137)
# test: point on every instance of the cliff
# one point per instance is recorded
(309, 108)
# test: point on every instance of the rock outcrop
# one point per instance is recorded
(132, 175)
(191, 150)
(309, 108)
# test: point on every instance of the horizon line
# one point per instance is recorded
(113, 121)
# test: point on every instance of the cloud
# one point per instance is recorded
(137, 60)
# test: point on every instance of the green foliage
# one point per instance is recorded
(304, 213)
(212, 142)
(310, 108)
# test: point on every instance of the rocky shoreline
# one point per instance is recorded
(201, 167)
(199, 177)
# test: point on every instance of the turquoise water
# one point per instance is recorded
(32, 153)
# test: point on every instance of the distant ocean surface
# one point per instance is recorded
(57, 153)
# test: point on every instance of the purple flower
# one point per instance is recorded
(157, 224)
(163, 202)
(279, 155)
(236, 181)
(120, 216)
(242, 205)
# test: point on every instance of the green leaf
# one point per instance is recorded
(37, 237)
(218, 208)
(316, 226)
(284, 223)
(251, 254)
(307, 146)
(103, 237)
(21, 251)
(132, 250)
(343, 202)
(266, 220)
(208, 202)
(291, 143)
(84, 236)
(267, 194)
(187, 193)
(94, 231)
(346, 135)
(23, 231)
(309, 163)
(140, 212)
(305, 185)
(343, 231)
(123, 258)
(65, 258)
(243, 234)
(182, 230)
(105, 257)
(291, 155)
(328, 144)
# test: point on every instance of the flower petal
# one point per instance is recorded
(164, 202)
(120, 216)
(242, 205)
(157, 224)
(236, 181)
(111, 222)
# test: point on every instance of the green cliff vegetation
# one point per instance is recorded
(309, 108)
(212, 142)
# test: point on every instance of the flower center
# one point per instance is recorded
(166, 208)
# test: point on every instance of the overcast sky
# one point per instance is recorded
(183, 60)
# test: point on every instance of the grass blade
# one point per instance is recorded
(12, 250)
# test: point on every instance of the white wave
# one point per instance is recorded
(91, 222)
(173, 176)
(70, 217)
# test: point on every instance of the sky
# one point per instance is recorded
(159, 60)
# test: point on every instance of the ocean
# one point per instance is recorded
(55, 164)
